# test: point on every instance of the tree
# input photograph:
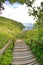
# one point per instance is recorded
(1, 7)
(38, 14)
(12, 1)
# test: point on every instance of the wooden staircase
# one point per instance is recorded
(22, 55)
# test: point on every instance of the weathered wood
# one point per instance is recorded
(23, 56)
(5, 47)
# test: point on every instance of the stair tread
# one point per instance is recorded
(20, 47)
(15, 55)
(24, 62)
(17, 50)
(24, 59)
(22, 55)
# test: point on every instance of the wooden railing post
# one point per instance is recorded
(31, 41)
(13, 41)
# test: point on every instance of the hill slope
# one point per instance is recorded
(8, 30)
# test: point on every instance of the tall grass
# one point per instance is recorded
(8, 30)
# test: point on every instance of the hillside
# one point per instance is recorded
(8, 30)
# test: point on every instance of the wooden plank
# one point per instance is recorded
(23, 56)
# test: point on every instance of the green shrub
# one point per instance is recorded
(6, 58)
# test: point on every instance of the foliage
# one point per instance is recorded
(21, 1)
(36, 48)
(4, 38)
(6, 58)
(8, 30)
(2, 0)
(37, 12)
(30, 34)
(12, 1)
(29, 2)
(38, 51)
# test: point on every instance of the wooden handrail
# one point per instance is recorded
(5, 47)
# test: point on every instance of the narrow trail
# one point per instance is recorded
(22, 55)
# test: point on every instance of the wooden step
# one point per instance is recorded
(25, 52)
(24, 62)
(33, 63)
(22, 55)
(23, 58)
(21, 47)
(18, 44)
(20, 50)
(36, 63)
(26, 59)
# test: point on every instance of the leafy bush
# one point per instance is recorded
(36, 48)
(6, 58)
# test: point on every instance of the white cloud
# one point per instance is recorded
(18, 12)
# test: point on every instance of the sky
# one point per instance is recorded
(18, 12)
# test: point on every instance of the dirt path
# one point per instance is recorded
(22, 55)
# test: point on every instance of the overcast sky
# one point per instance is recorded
(18, 12)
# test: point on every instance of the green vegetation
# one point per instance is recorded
(6, 58)
(12, 1)
(34, 37)
(4, 38)
(8, 29)
(21, 1)
(38, 51)
(31, 39)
